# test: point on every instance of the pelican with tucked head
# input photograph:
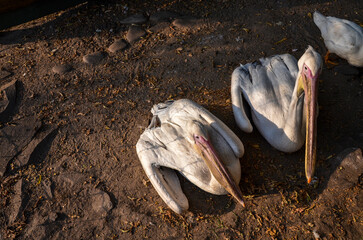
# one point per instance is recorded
(185, 137)
(342, 37)
(282, 93)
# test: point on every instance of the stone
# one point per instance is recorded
(135, 19)
(348, 167)
(14, 138)
(4, 74)
(185, 23)
(159, 27)
(118, 45)
(163, 16)
(61, 68)
(94, 58)
(35, 229)
(101, 202)
(16, 202)
(134, 34)
(52, 217)
(8, 91)
(25, 156)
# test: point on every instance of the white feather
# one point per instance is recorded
(166, 146)
(341, 37)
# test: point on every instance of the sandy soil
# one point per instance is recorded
(68, 161)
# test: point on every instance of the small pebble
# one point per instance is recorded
(52, 216)
(135, 19)
(119, 44)
(62, 68)
(163, 16)
(134, 34)
(94, 58)
(159, 27)
(101, 202)
(4, 74)
(185, 23)
(316, 234)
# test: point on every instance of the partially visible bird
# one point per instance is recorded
(282, 93)
(185, 137)
(342, 37)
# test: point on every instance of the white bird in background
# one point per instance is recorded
(185, 137)
(342, 37)
(282, 94)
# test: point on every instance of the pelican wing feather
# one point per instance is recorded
(267, 86)
(341, 37)
(163, 147)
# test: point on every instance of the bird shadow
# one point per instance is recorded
(266, 171)
(37, 29)
(201, 202)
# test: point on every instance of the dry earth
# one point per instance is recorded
(72, 110)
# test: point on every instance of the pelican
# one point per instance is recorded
(185, 137)
(282, 93)
(342, 37)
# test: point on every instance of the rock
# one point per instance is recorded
(163, 16)
(14, 138)
(134, 34)
(35, 229)
(4, 74)
(101, 202)
(7, 106)
(159, 27)
(346, 69)
(61, 68)
(135, 19)
(342, 193)
(229, 220)
(25, 156)
(52, 217)
(16, 202)
(185, 23)
(94, 58)
(119, 44)
(349, 166)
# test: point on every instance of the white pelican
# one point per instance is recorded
(282, 94)
(342, 37)
(185, 137)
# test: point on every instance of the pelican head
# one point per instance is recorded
(310, 67)
(199, 138)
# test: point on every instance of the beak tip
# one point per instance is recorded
(241, 202)
(309, 180)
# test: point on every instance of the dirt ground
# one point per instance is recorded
(69, 168)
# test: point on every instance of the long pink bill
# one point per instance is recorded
(218, 168)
